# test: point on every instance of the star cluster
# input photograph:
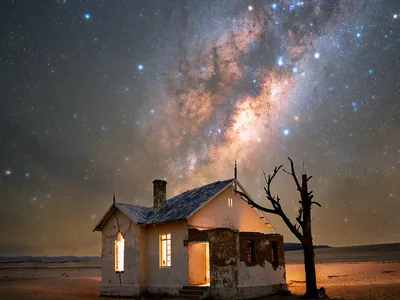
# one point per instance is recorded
(99, 96)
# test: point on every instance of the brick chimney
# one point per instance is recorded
(160, 193)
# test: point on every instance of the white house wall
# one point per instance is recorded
(127, 282)
(167, 280)
(217, 214)
(143, 257)
(256, 281)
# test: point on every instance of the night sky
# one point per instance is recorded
(102, 95)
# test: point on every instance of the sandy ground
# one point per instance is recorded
(371, 280)
(70, 281)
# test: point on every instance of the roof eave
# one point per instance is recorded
(104, 218)
(269, 225)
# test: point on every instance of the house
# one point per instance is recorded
(207, 241)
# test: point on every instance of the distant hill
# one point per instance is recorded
(297, 246)
(364, 253)
(48, 259)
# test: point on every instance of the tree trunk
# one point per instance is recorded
(307, 243)
(309, 266)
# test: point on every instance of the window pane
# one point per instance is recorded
(119, 253)
(165, 250)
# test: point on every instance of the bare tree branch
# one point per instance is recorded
(252, 203)
(293, 174)
(316, 203)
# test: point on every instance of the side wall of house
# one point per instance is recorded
(124, 283)
(217, 214)
(143, 258)
(171, 279)
(232, 276)
(263, 274)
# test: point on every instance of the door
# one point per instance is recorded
(199, 263)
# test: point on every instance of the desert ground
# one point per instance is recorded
(368, 272)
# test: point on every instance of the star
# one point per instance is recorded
(87, 16)
(316, 55)
(274, 5)
(395, 16)
(286, 132)
(27, 175)
(8, 172)
(140, 67)
(250, 8)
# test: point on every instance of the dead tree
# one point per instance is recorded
(303, 222)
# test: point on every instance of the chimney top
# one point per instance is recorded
(159, 181)
(159, 193)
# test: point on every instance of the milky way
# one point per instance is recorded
(100, 96)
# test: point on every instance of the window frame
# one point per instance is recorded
(168, 250)
(117, 243)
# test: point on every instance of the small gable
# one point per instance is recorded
(137, 214)
(229, 210)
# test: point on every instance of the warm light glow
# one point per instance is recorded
(165, 250)
(230, 202)
(119, 253)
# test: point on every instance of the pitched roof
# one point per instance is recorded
(180, 207)
(136, 213)
(186, 204)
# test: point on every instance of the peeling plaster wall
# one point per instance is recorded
(217, 214)
(167, 280)
(261, 276)
(223, 261)
(257, 281)
(232, 276)
(127, 282)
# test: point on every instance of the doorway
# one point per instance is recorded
(199, 263)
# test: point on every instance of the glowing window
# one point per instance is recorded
(230, 202)
(165, 250)
(119, 253)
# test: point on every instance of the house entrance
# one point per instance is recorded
(199, 263)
